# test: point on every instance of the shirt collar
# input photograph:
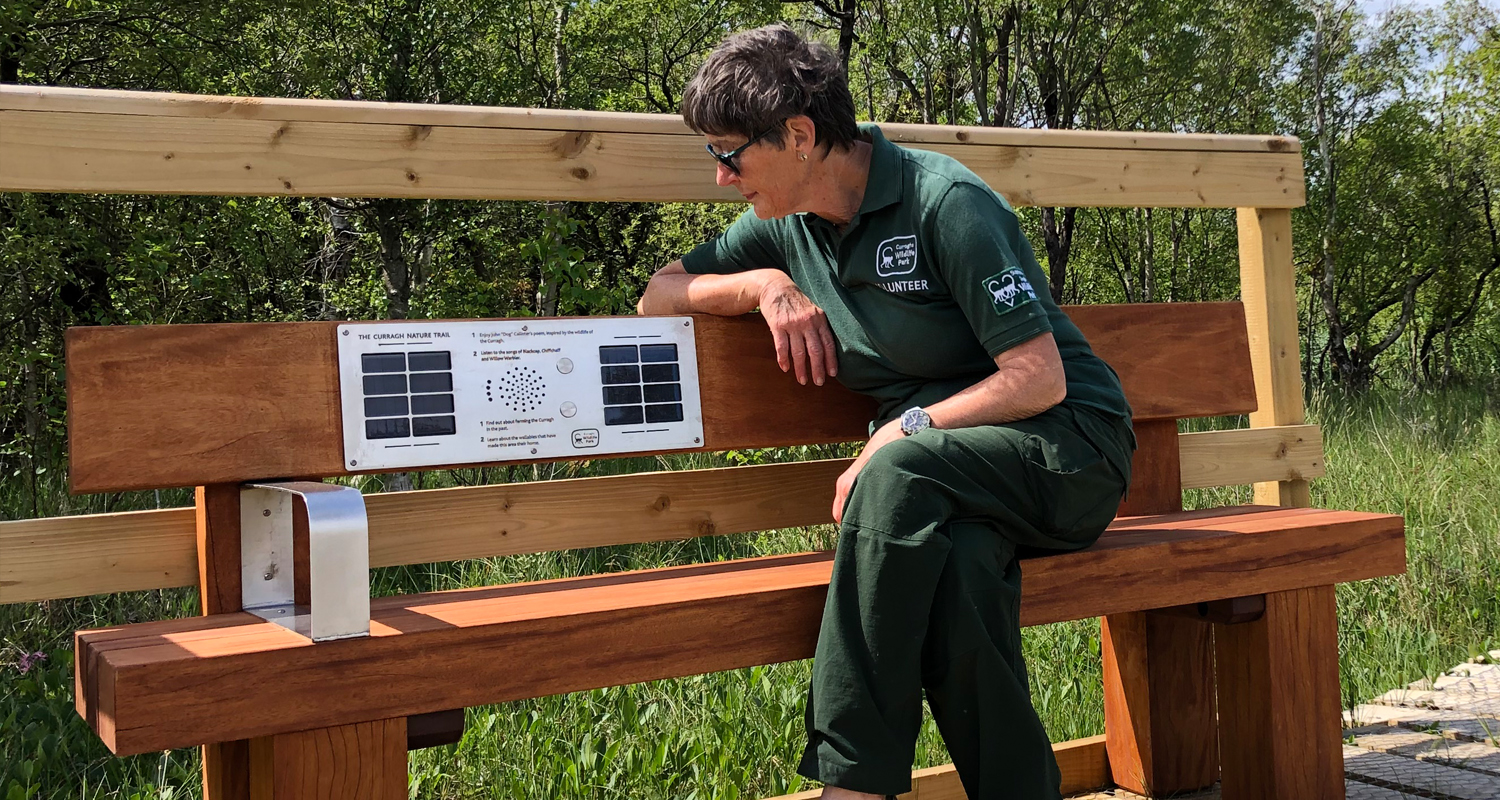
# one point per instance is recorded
(887, 166)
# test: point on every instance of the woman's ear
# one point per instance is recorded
(802, 133)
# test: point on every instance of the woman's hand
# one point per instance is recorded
(804, 341)
(889, 432)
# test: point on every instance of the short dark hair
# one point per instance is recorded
(757, 79)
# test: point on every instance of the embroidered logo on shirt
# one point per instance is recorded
(1009, 289)
(896, 256)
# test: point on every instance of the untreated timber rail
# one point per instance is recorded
(90, 140)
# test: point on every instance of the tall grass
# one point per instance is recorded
(1433, 458)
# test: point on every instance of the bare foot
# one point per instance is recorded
(835, 793)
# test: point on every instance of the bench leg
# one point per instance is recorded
(1279, 703)
(362, 761)
(1159, 703)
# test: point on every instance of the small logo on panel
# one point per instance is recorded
(896, 256)
(586, 438)
(1009, 289)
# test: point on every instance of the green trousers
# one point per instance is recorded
(926, 595)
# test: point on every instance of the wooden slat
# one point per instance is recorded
(158, 406)
(1251, 455)
(182, 682)
(1268, 284)
(48, 559)
(67, 151)
(1081, 762)
(114, 101)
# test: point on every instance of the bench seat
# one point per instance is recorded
(177, 683)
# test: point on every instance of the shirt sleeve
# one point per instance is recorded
(974, 240)
(748, 243)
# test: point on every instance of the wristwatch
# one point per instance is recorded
(915, 419)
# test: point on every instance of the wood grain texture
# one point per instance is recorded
(57, 557)
(60, 557)
(1081, 762)
(242, 408)
(1251, 455)
(361, 761)
(181, 682)
(1155, 470)
(1279, 702)
(1268, 286)
(114, 101)
(69, 151)
(1159, 721)
(227, 768)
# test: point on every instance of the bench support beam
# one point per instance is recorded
(1280, 732)
(1159, 703)
(1268, 287)
(362, 761)
(226, 765)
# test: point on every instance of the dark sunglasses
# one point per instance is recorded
(728, 159)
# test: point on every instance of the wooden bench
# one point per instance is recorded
(1219, 630)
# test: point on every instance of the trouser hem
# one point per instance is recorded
(856, 777)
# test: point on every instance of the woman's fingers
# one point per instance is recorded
(816, 360)
(798, 341)
(783, 348)
(830, 348)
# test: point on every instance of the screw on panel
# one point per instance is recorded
(695, 440)
(346, 332)
(353, 463)
(265, 512)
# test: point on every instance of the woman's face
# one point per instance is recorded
(773, 180)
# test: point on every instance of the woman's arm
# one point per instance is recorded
(1029, 379)
(804, 342)
(674, 290)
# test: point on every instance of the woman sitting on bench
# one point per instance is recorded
(999, 434)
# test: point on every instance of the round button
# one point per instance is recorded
(565, 365)
(568, 409)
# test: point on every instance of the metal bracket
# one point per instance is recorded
(338, 553)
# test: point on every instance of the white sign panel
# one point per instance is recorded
(418, 394)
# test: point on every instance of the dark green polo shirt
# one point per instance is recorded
(930, 280)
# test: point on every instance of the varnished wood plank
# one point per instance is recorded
(158, 406)
(1251, 455)
(1081, 762)
(65, 151)
(61, 557)
(113, 101)
(360, 761)
(227, 768)
(194, 680)
(1279, 701)
(1268, 286)
(1159, 721)
(1155, 472)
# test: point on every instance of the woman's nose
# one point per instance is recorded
(726, 176)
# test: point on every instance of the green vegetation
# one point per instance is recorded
(1433, 457)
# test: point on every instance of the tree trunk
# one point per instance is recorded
(1059, 240)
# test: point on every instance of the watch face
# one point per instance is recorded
(915, 419)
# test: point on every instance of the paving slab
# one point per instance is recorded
(1452, 724)
(1422, 777)
(1428, 747)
